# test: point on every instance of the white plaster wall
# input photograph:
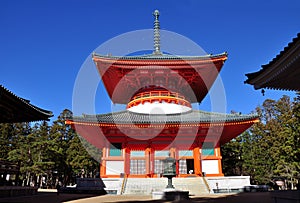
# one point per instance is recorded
(210, 166)
(114, 167)
(229, 182)
(159, 108)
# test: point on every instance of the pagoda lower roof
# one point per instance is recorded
(194, 126)
(14, 109)
(193, 116)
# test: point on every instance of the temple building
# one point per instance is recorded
(159, 121)
(282, 72)
(14, 109)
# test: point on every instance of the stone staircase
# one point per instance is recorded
(194, 185)
(113, 185)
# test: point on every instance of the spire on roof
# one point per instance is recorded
(156, 33)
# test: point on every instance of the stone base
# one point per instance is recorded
(157, 195)
(171, 194)
(176, 195)
(86, 186)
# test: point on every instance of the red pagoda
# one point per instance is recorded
(159, 121)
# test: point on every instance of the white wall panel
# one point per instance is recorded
(210, 166)
(114, 167)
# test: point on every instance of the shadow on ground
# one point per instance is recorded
(257, 197)
(46, 197)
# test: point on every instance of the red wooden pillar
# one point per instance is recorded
(152, 161)
(149, 161)
(200, 161)
(103, 163)
(126, 160)
(173, 152)
(197, 165)
(218, 155)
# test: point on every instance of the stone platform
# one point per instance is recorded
(85, 186)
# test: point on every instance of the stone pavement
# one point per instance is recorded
(52, 197)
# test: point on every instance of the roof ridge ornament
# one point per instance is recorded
(156, 33)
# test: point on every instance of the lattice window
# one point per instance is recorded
(182, 166)
(158, 166)
(137, 166)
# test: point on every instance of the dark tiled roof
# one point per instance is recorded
(16, 109)
(285, 50)
(282, 72)
(193, 116)
(161, 56)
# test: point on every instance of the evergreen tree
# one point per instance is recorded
(61, 135)
(232, 157)
(55, 152)
(270, 148)
(71, 157)
(6, 135)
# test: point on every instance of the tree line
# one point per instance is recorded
(270, 149)
(47, 154)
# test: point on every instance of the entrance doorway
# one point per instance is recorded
(190, 166)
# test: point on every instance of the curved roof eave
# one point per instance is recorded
(36, 112)
(161, 57)
(255, 78)
(193, 116)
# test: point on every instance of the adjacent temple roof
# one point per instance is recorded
(193, 116)
(282, 72)
(14, 109)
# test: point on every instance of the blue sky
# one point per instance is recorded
(43, 44)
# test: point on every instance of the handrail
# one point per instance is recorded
(157, 93)
(123, 184)
(206, 183)
(169, 99)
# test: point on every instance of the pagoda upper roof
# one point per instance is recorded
(192, 76)
(193, 116)
(154, 56)
(14, 109)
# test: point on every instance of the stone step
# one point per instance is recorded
(195, 186)
(113, 185)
